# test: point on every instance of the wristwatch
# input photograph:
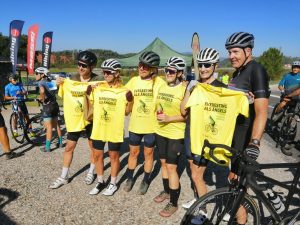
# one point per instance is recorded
(255, 141)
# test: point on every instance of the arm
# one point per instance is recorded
(170, 119)
(41, 97)
(294, 93)
(128, 109)
(261, 115)
(183, 110)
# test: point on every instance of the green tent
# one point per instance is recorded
(164, 51)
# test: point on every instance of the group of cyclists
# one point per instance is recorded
(161, 114)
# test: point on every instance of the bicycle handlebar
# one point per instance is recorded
(248, 165)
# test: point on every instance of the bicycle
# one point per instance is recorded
(36, 124)
(284, 126)
(17, 122)
(221, 205)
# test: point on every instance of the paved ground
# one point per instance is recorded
(26, 199)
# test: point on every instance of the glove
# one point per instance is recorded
(129, 96)
(192, 84)
(252, 151)
(88, 90)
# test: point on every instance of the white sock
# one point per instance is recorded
(113, 180)
(100, 179)
(64, 172)
(92, 168)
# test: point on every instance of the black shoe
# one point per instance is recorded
(12, 155)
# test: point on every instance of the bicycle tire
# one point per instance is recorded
(20, 127)
(288, 129)
(38, 129)
(215, 202)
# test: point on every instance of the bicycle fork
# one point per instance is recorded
(292, 222)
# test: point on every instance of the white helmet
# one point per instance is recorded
(43, 70)
(176, 62)
(296, 63)
(111, 64)
(208, 55)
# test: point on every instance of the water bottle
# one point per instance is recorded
(275, 200)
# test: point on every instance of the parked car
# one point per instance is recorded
(60, 74)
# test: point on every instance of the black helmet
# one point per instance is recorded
(150, 58)
(240, 40)
(87, 57)
(12, 76)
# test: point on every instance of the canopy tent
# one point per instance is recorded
(159, 47)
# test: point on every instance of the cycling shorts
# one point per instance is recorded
(169, 149)
(2, 122)
(99, 145)
(136, 139)
(50, 111)
(23, 108)
(74, 136)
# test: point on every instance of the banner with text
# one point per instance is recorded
(31, 46)
(15, 30)
(46, 51)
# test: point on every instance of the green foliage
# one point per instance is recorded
(272, 60)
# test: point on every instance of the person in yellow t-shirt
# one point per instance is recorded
(169, 132)
(111, 103)
(143, 117)
(208, 62)
(86, 63)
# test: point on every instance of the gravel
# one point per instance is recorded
(26, 199)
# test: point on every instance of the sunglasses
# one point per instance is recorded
(108, 72)
(82, 65)
(206, 65)
(39, 74)
(144, 66)
(171, 72)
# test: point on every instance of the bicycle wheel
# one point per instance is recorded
(16, 124)
(218, 204)
(288, 130)
(35, 131)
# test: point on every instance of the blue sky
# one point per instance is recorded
(129, 26)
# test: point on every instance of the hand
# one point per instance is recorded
(59, 80)
(129, 96)
(88, 90)
(162, 118)
(286, 98)
(252, 151)
(250, 97)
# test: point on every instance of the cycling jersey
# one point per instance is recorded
(143, 115)
(168, 101)
(72, 93)
(49, 91)
(250, 78)
(109, 113)
(213, 112)
(12, 89)
(290, 82)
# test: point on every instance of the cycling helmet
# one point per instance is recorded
(111, 64)
(43, 70)
(176, 62)
(208, 55)
(87, 57)
(296, 64)
(240, 40)
(150, 58)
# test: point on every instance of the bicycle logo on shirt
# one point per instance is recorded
(143, 108)
(211, 126)
(79, 107)
(105, 116)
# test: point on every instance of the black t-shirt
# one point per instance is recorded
(94, 77)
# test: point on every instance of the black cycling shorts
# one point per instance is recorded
(169, 149)
(136, 139)
(74, 136)
(2, 122)
(99, 145)
(50, 110)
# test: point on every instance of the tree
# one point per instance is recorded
(273, 60)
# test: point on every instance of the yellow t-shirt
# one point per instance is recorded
(168, 100)
(213, 113)
(143, 116)
(109, 113)
(72, 93)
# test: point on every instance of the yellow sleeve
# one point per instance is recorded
(129, 84)
(193, 99)
(61, 90)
